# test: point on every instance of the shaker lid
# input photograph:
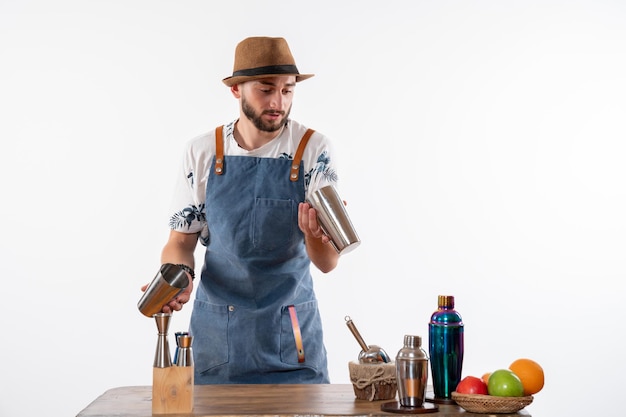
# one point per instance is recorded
(412, 349)
(445, 301)
(411, 341)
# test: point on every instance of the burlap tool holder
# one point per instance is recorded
(373, 381)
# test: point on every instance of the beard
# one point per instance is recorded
(257, 120)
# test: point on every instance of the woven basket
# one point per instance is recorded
(477, 403)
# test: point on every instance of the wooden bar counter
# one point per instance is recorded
(259, 400)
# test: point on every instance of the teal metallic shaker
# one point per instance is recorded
(445, 332)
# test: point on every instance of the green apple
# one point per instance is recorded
(504, 383)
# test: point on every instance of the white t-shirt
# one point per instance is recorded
(188, 204)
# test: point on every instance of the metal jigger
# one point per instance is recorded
(162, 357)
(185, 355)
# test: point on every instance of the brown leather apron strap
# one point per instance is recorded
(297, 159)
(295, 166)
(219, 150)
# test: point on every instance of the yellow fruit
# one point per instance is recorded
(485, 377)
(530, 373)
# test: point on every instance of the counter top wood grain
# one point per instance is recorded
(258, 400)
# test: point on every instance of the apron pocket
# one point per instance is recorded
(209, 328)
(273, 224)
(311, 335)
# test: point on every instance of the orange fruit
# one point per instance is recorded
(485, 377)
(530, 373)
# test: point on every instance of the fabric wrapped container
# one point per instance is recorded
(373, 381)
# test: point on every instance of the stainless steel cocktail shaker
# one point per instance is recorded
(445, 332)
(334, 219)
(170, 281)
(412, 372)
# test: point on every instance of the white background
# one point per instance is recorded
(482, 148)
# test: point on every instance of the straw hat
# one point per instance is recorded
(263, 57)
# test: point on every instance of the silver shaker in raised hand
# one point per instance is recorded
(412, 372)
(334, 220)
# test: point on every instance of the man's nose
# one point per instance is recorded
(277, 101)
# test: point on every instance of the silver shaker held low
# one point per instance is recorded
(169, 281)
(412, 372)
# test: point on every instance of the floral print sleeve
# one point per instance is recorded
(185, 218)
(321, 166)
(188, 203)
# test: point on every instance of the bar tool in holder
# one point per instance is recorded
(184, 355)
(370, 353)
(177, 336)
(373, 376)
(172, 384)
(162, 358)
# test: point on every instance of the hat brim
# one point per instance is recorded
(230, 81)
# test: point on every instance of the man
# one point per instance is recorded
(242, 193)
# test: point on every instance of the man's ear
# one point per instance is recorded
(236, 90)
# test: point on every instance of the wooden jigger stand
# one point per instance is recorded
(172, 385)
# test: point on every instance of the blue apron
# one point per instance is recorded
(255, 318)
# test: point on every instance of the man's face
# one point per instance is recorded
(267, 102)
